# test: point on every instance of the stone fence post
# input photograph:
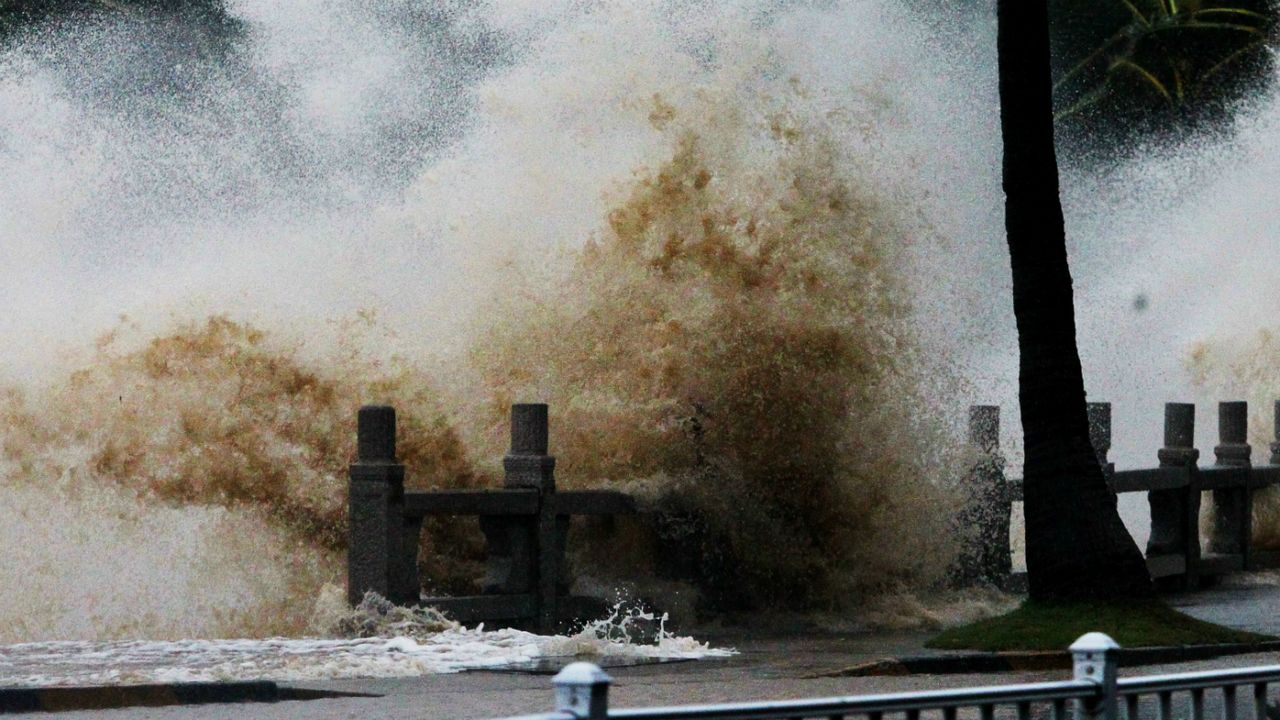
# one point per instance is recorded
(986, 556)
(527, 554)
(1100, 434)
(1232, 507)
(1175, 512)
(1275, 445)
(376, 512)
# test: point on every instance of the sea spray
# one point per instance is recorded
(257, 204)
(626, 632)
(210, 436)
(92, 561)
(216, 413)
(735, 343)
(1201, 217)
(1234, 368)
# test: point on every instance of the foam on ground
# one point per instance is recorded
(296, 659)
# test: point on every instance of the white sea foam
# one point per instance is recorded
(284, 659)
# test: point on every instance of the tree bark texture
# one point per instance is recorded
(1077, 546)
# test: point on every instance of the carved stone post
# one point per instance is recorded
(1232, 507)
(528, 465)
(1175, 512)
(1100, 435)
(1275, 445)
(985, 518)
(375, 557)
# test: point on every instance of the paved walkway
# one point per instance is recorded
(1247, 602)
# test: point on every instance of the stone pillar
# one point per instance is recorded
(528, 465)
(375, 560)
(984, 428)
(1175, 512)
(1232, 507)
(1275, 445)
(1100, 435)
(984, 519)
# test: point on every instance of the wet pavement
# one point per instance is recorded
(1246, 602)
(777, 665)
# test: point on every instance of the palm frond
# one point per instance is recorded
(1146, 75)
(1197, 25)
(1226, 62)
(1240, 12)
(1093, 97)
(1137, 14)
(1093, 56)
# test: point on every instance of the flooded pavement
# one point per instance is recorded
(767, 665)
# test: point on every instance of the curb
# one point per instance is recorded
(54, 699)
(993, 662)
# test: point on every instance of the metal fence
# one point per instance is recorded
(1094, 693)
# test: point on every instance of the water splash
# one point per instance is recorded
(717, 197)
(462, 175)
(387, 642)
(207, 461)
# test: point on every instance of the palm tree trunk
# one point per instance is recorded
(1077, 547)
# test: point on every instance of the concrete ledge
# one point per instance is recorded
(981, 662)
(54, 699)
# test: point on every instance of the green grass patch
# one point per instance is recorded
(1045, 626)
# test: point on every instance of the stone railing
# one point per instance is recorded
(525, 525)
(1176, 555)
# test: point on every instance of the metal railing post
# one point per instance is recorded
(582, 690)
(1094, 659)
